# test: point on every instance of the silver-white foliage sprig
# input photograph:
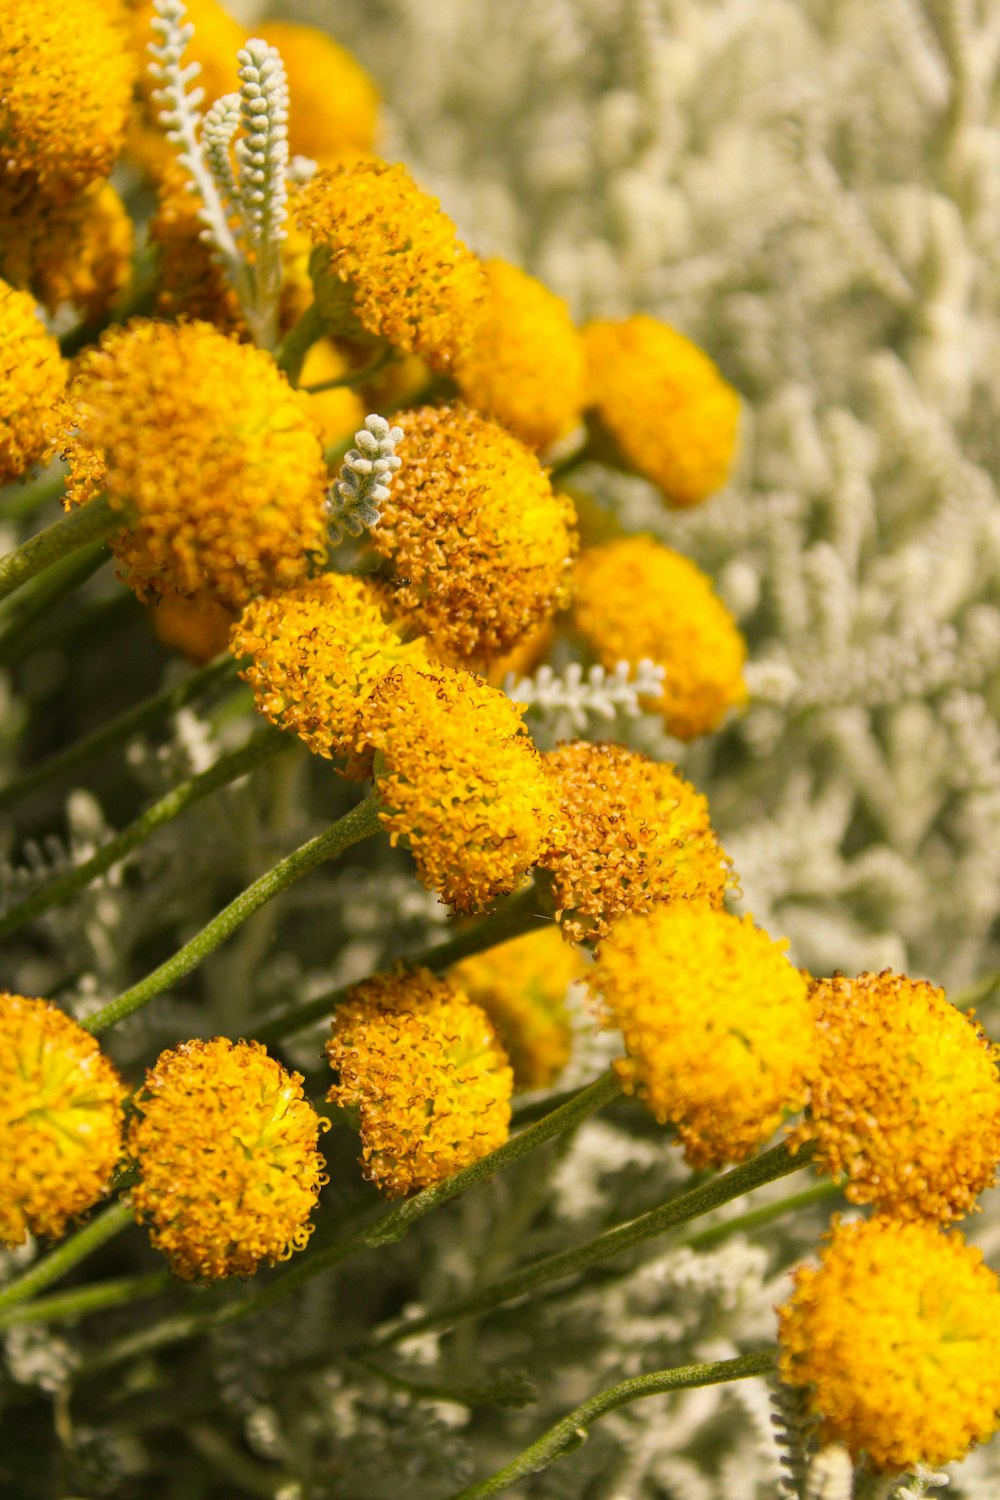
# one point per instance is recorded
(262, 158)
(580, 695)
(353, 500)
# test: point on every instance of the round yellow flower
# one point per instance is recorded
(61, 1112)
(460, 780)
(411, 281)
(316, 654)
(525, 365)
(632, 833)
(634, 599)
(896, 1335)
(422, 1066)
(32, 384)
(206, 448)
(66, 76)
(198, 628)
(75, 250)
(225, 1142)
(671, 414)
(483, 548)
(333, 105)
(904, 1096)
(716, 1023)
(522, 986)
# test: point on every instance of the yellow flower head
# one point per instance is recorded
(411, 281)
(61, 1111)
(897, 1336)
(669, 410)
(904, 1096)
(422, 1066)
(198, 628)
(226, 1147)
(525, 365)
(522, 987)
(316, 654)
(32, 384)
(632, 833)
(75, 250)
(65, 91)
(333, 108)
(716, 1022)
(635, 598)
(205, 446)
(460, 780)
(483, 546)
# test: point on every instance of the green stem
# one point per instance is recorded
(299, 339)
(758, 1218)
(142, 716)
(58, 1262)
(60, 580)
(572, 1431)
(88, 523)
(770, 1165)
(227, 769)
(353, 377)
(19, 501)
(387, 1229)
(520, 914)
(67, 1307)
(360, 823)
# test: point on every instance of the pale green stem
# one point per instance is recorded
(177, 800)
(67, 1307)
(142, 716)
(770, 1165)
(60, 580)
(573, 1430)
(387, 1229)
(299, 339)
(353, 377)
(103, 1227)
(88, 523)
(360, 823)
(758, 1218)
(520, 914)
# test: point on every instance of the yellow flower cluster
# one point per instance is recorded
(634, 599)
(204, 447)
(75, 251)
(65, 92)
(459, 779)
(422, 1066)
(32, 383)
(483, 547)
(632, 833)
(716, 1023)
(61, 1112)
(524, 366)
(316, 654)
(522, 986)
(904, 1096)
(225, 1143)
(896, 1338)
(662, 400)
(411, 281)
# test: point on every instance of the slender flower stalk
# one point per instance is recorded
(572, 1431)
(90, 523)
(768, 1167)
(68, 1307)
(60, 1261)
(225, 771)
(360, 823)
(144, 715)
(54, 585)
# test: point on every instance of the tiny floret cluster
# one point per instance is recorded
(424, 1069)
(665, 405)
(459, 779)
(206, 450)
(483, 546)
(61, 1112)
(634, 598)
(632, 833)
(904, 1096)
(225, 1143)
(896, 1339)
(716, 1024)
(32, 383)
